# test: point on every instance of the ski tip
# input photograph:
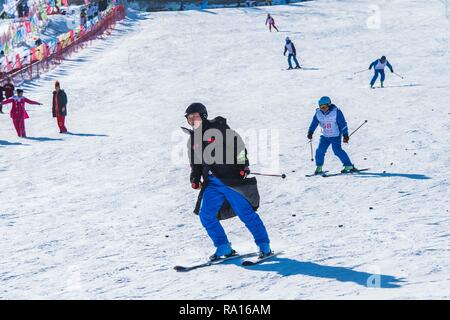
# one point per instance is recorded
(180, 268)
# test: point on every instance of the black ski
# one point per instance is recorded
(342, 173)
(313, 174)
(249, 263)
(214, 262)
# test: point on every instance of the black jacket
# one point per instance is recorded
(218, 150)
(62, 102)
(207, 154)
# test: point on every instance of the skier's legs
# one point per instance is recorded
(22, 127)
(61, 125)
(289, 60)
(296, 61)
(245, 212)
(339, 152)
(19, 125)
(275, 28)
(382, 76)
(212, 201)
(321, 150)
(375, 76)
(16, 126)
(270, 27)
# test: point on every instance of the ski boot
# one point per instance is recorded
(297, 67)
(289, 68)
(224, 250)
(264, 250)
(382, 85)
(318, 170)
(348, 169)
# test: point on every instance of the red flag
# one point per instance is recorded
(18, 62)
(33, 54)
(28, 26)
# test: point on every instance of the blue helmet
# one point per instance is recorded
(324, 100)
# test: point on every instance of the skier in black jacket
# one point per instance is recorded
(219, 167)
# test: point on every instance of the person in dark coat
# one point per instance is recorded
(59, 107)
(9, 88)
(2, 97)
(219, 168)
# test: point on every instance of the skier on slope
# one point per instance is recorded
(217, 155)
(271, 21)
(59, 107)
(18, 112)
(378, 66)
(289, 47)
(333, 124)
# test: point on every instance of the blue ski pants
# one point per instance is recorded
(337, 149)
(375, 76)
(290, 56)
(213, 197)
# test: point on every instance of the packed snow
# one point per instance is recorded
(105, 212)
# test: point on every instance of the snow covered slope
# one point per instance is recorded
(105, 212)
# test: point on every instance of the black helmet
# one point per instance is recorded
(383, 58)
(197, 107)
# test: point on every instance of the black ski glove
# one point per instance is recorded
(346, 138)
(310, 135)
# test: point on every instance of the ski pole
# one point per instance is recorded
(398, 75)
(269, 175)
(365, 121)
(312, 157)
(360, 71)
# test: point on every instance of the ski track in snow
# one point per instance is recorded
(105, 213)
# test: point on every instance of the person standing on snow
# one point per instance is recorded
(59, 107)
(333, 125)
(18, 112)
(271, 21)
(9, 88)
(217, 155)
(379, 65)
(289, 47)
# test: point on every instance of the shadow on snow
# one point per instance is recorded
(289, 267)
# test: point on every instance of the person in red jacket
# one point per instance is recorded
(18, 112)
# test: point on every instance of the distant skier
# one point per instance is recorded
(226, 190)
(378, 66)
(289, 47)
(333, 125)
(18, 112)
(59, 107)
(271, 21)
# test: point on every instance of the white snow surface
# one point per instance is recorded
(106, 212)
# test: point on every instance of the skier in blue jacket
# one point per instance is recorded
(333, 125)
(379, 65)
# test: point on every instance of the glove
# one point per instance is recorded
(392, 70)
(309, 136)
(346, 138)
(244, 172)
(196, 186)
